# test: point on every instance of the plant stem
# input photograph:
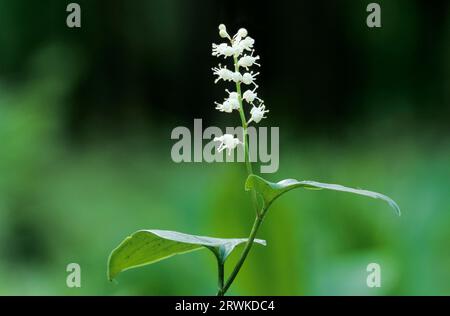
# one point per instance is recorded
(248, 246)
(248, 164)
(245, 137)
(220, 269)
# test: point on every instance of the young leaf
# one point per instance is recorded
(270, 191)
(149, 246)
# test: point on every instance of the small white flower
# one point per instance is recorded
(246, 44)
(248, 61)
(250, 96)
(230, 104)
(223, 73)
(224, 107)
(217, 49)
(227, 141)
(234, 103)
(240, 35)
(233, 95)
(257, 113)
(223, 49)
(249, 78)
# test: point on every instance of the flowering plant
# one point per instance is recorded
(148, 246)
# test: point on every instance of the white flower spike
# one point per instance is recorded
(235, 48)
(257, 113)
(228, 142)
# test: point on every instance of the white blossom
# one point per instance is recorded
(223, 49)
(245, 44)
(224, 107)
(223, 73)
(250, 96)
(233, 97)
(229, 104)
(241, 33)
(248, 61)
(257, 113)
(249, 78)
(234, 103)
(227, 141)
(233, 94)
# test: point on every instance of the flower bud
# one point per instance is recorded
(242, 33)
(223, 31)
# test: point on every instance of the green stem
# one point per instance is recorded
(248, 164)
(248, 246)
(220, 269)
(245, 137)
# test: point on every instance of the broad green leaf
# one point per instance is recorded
(149, 246)
(270, 191)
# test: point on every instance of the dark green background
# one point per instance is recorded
(85, 122)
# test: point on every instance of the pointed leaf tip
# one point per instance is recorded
(270, 191)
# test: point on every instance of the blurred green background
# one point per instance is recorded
(85, 122)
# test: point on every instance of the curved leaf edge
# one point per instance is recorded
(279, 188)
(218, 250)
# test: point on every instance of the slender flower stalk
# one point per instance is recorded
(238, 44)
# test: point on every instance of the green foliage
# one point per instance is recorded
(270, 191)
(149, 246)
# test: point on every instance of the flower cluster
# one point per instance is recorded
(240, 48)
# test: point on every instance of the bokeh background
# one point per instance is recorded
(85, 122)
